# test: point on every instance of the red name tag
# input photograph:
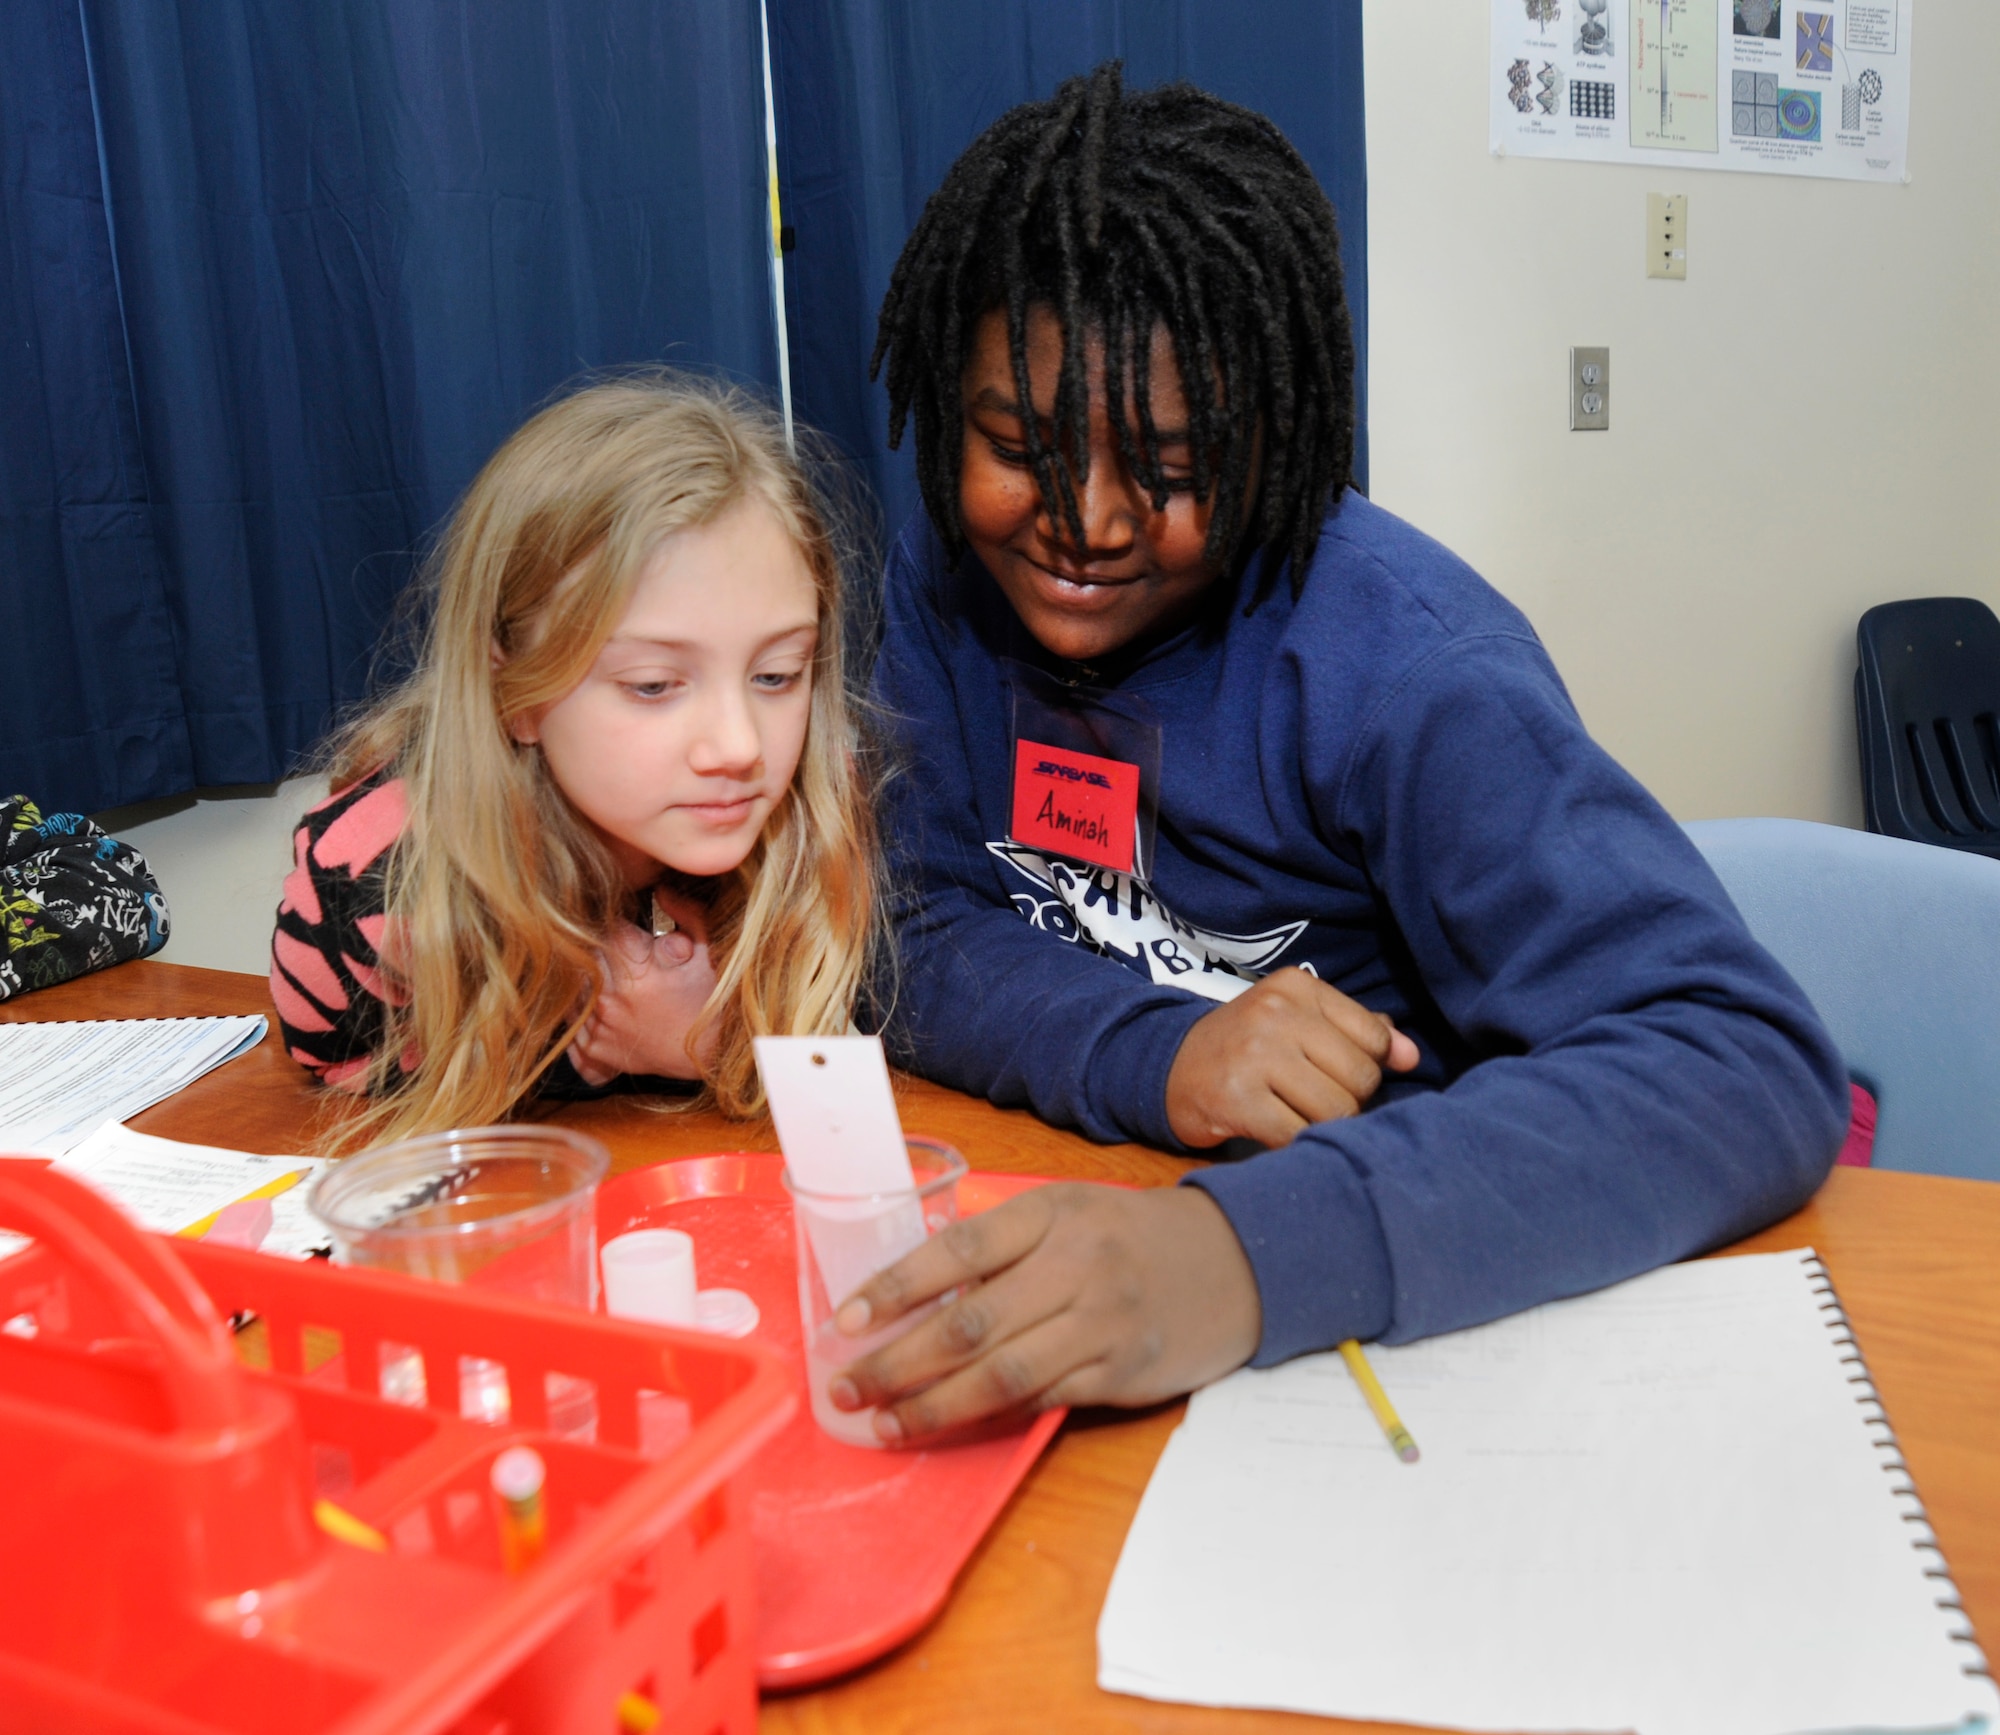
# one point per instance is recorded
(1076, 804)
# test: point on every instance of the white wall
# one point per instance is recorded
(1806, 426)
(219, 857)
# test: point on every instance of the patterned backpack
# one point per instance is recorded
(72, 900)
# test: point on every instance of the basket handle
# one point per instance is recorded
(161, 1299)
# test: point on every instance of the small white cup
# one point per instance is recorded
(649, 1275)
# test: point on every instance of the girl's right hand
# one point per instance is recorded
(655, 986)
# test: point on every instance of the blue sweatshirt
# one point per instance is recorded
(1383, 782)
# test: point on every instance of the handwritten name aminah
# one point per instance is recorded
(1084, 827)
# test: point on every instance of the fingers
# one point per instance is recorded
(673, 950)
(584, 1060)
(1328, 1077)
(632, 946)
(1369, 1033)
(963, 1253)
(984, 1321)
(1281, 1057)
(1373, 1034)
(1260, 1113)
(1018, 1375)
(1290, 1052)
(1127, 1298)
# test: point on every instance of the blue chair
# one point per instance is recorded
(1898, 946)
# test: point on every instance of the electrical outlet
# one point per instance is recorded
(1666, 235)
(1589, 390)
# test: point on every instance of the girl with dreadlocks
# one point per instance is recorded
(1237, 806)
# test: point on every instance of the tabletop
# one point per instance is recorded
(1912, 1256)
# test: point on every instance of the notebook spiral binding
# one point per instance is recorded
(1883, 1437)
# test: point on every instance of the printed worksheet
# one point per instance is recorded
(179, 1188)
(59, 1082)
(1776, 87)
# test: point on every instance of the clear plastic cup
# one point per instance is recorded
(843, 1239)
(508, 1208)
(505, 1208)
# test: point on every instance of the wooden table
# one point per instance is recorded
(1913, 1256)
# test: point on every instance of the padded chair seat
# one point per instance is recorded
(1898, 946)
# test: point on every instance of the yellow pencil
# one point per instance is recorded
(269, 1190)
(1378, 1400)
(338, 1522)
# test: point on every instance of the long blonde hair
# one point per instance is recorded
(499, 895)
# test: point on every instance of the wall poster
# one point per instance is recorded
(1776, 87)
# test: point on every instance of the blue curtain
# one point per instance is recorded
(90, 702)
(278, 278)
(875, 98)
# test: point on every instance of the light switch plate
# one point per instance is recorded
(1666, 235)
(1589, 390)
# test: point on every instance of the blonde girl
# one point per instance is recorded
(614, 822)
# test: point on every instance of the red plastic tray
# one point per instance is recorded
(856, 1550)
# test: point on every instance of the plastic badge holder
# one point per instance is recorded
(167, 1578)
(856, 1549)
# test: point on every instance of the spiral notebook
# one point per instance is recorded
(1674, 1507)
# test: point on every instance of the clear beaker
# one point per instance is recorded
(505, 1208)
(843, 1239)
(509, 1208)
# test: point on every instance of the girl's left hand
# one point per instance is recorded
(654, 988)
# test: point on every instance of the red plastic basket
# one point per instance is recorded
(164, 1575)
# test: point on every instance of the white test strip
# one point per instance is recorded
(843, 1140)
(835, 1113)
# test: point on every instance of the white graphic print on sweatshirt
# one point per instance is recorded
(1116, 915)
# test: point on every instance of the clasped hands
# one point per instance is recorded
(654, 987)
(1081, 1294)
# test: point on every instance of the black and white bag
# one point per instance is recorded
(72, 899)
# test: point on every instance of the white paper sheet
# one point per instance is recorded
(169, 1186)
(59, 1082)
(1661, 1508)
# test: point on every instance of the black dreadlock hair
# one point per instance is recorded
(1121, 212)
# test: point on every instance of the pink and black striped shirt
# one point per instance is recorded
(327, 979)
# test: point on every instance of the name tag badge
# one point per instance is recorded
(1075, 804)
